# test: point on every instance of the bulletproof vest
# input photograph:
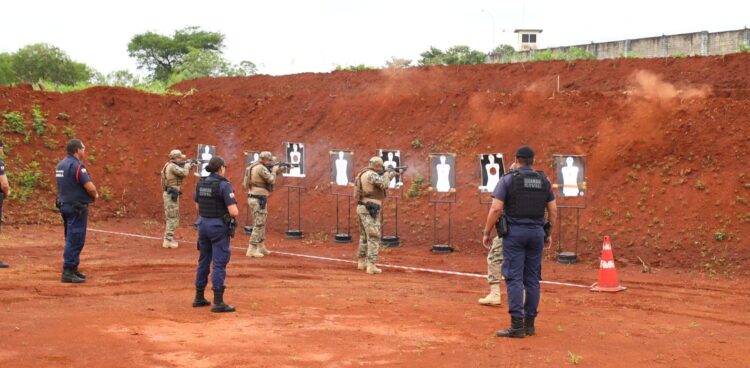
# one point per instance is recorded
(528, 195)
(69, 188)
(168, 179)
(255, 179)
(210, 201)
(363, 189)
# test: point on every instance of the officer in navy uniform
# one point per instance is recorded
(523, 195)
(217, 209)
(75, 191)
(4, 193)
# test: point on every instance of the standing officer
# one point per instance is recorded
(259, 180)
(4, 192)
(370, 187)
(75, 191)
(523, 195)
(172, 175)
(217, 208)
(494, 261)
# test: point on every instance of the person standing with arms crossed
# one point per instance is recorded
(75, 191)
(523, 195)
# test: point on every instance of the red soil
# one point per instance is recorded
(666, 142)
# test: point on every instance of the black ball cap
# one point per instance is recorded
(525, 152)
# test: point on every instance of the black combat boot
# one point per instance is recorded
(79, 273)
(69, 277)
(219, 305)
(528, 325)
(515, 330)
(3, 265)
(200, 300)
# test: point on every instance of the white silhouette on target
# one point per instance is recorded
(342, 178)
(443, 176)
(570, 179)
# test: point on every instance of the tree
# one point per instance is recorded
(455, 55)
(160, 54)
(203, 63)
(504, 50)
(7, 76)
(41, 61)
(397, 63)
(122, 78)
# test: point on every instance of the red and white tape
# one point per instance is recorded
(320, 258)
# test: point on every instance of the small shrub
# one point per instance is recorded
(63, 116)
(13, 122)
(92, 158)
(106, 193)
(720, 234)
(744, 47)
(416, 143)
(39, 120)
(574, 358)
(700, 185)
(577, 53)
(25, 182)
(69, 130)
(608, 213)
(416, 189)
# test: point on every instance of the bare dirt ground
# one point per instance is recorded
(134, 310)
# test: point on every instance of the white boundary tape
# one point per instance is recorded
(428, 270)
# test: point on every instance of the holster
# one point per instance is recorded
(372, 208)
(262, 200)
(547, 229)
(174, 193)
(502, 226)
(231, 225)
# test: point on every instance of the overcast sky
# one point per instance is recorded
(294, 36)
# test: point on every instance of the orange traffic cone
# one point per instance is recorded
(607, 272)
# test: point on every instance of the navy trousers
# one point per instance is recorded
(74, 225)
(213, 244)
(522, 268)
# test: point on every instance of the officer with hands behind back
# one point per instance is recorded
(217, 208)
(523, 195)
(75, 191)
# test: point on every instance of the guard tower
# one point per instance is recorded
(528, 39)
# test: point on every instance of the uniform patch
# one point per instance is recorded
(59, 173)
(2, 168)
(83, 170)
(231, 195)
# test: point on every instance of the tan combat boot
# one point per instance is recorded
(165, 243)
(174, 244)
(169, 244)
(372, 269)
(262, 249)
(361, 264)
(253, 251)
(493, 298)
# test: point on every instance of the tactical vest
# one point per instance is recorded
(528, 195)
(69, 188)
(168, 179)
(256, 180)
(210, 201)
(365, 190)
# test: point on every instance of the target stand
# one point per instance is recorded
(391, 241)
(247, 229)
(569, 201)
(436, 201)
(291, 231)
(343, 237)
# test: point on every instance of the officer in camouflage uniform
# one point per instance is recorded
(370, 187)
(494, 262)
(172, 175)
(4, 192)
(258, 181)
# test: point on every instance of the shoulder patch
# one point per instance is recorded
(83, 170)
(2, 168)
(231, 195)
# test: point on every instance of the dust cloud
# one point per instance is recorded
(651, 86)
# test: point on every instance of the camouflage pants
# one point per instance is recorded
(171, 214)
(495, 261)
(369, 235)
(259, 221)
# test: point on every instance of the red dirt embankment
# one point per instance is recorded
(665, 139)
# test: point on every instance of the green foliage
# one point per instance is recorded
(122, 78)
(577, 53)
(720, 234)
(504, 54)
(416, 188)
(629, 55)
(744, 47)
(25, 181)
(106, 193)
(39, 120)
(203, 63)
(354, 68)
(397, 63)
(42, 61)
(455, 55)
(573, 358)
(573, 54)
(69, 131)
(416, 143)
(13, 122)
(7, 76)
(161, 55)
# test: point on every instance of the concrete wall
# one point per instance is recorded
(687, 44)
